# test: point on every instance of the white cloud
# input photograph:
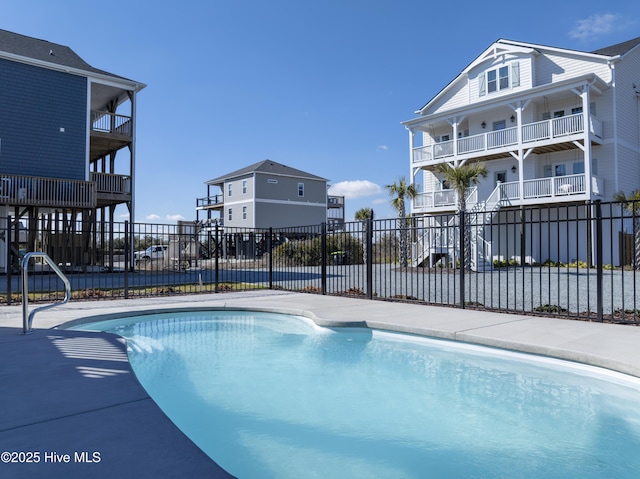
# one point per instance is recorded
(355, 189)
(383, 147)
(379, 201)
(155, 217)
(597, 24)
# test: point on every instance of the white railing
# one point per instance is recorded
(531, 132)
(509, 193)
(500, 138)
(509, 190)
(443, 149)
(422, 154)
(110, 183)
(555, 186)
(51, 192)
(443, 198)
(472, 144)
(106, 122)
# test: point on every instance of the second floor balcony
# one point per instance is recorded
(109, 132)
(210, 202)
(538, 134)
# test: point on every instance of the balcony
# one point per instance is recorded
(442, 200)
(109, 132)
(110, 188)
(497, 143)
(558, 189)
(210, 202)
(47, 192)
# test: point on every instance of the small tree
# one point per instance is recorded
(632, 204)
(363, 215)
(461, 178)
(398, 191)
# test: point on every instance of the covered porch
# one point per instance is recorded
(557, 189)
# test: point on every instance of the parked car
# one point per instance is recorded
(152, 252)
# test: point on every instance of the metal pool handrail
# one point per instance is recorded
(27, 319)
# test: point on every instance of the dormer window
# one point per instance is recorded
(501, 78)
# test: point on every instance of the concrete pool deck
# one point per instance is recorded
(71, 397)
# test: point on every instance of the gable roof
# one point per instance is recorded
(44, 51)
(619, 48)
(268, 167)
(503, 45)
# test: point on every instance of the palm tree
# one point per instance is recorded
(461, 178)
(632, 205)
(398, 191)
(363, 215)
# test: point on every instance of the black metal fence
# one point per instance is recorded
(578, 260)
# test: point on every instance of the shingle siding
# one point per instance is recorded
(35, 104)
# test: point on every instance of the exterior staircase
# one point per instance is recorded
(443, 240)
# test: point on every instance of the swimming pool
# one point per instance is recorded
(269, 395)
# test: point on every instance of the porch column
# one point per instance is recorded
(520, 153)
(411, 140)
(586, 119)
(455, 137)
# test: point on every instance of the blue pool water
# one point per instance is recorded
(269, 395)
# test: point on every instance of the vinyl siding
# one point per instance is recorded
(35, 104)
(551, 67)
(286, 189)
(278, 215)
(627, 75)
(465, 89)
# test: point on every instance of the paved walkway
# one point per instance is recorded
(69, 400)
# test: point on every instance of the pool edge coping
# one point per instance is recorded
(464, 336)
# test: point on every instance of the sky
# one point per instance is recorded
(321, 86)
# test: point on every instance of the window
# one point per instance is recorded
(244, 212)
(244, 187)
(230, 189)
(492, 84)
(555, 170)
(578, 109)
(230, 214)
(558, 114)
(503, 73)
(578, 168)
(300, 189)
(501, 78)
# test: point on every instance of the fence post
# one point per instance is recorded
(126, 259)
(270, 250)
(216, 254)
(463, 261)
(369, 242)
(599, 260)
(323, 258)
(7, 235)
